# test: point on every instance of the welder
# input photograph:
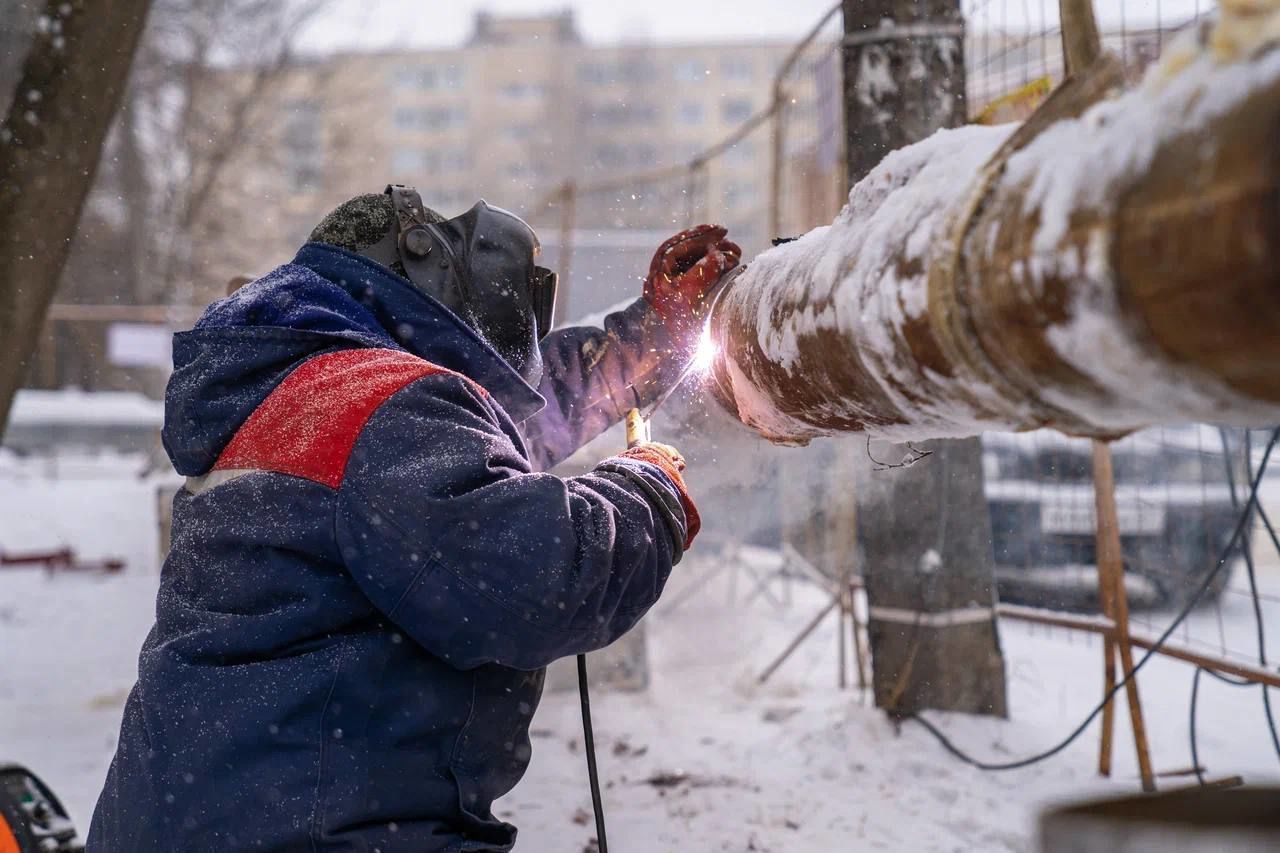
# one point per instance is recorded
(369, 571)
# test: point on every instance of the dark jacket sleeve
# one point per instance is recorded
(479, 560)
(592, 376)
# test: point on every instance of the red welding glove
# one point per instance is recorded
(669, 460)
(683, 270)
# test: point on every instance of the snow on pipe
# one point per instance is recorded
(1114, 268)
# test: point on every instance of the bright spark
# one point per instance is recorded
(705, 355)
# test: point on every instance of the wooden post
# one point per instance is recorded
(799, 638)
(1081, 41)
(859, 651)
(1108, 672)
(777, 147)
(1108, 676)
(842, 662)
(568, 214)
(1111, 575)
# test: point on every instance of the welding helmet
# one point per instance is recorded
(482, 265)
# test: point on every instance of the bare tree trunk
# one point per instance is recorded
(71, 84)
(925, 531)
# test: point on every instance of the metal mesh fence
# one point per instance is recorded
(1178, 491)
(1013, 48)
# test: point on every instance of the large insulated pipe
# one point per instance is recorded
(1098, 270)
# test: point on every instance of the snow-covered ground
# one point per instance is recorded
(704, 760)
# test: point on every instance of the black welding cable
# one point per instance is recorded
(1195, 746)
(1159, 644)
(1193, 734)
(1257, 605)
(1228, 679)
(589, 744)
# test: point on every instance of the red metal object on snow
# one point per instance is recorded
(62, 559)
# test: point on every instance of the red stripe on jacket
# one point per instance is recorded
(309, 424)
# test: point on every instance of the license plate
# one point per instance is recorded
(1135, 519)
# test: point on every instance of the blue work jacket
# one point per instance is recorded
(369, 573)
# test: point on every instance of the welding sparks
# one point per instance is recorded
(705, 355)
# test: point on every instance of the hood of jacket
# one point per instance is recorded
(326, 299)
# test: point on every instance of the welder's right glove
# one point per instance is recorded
(671, 463)
(683, 271)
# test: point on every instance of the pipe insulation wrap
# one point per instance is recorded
(1111, 265)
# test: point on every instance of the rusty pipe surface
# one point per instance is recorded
(1119, 269)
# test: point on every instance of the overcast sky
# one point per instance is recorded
(364, 24)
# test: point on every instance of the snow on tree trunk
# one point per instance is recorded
(924, 532)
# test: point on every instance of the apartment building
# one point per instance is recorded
(507, 116)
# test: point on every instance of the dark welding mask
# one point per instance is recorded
(481, 265)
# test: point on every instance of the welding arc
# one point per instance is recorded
(1245, 515)
(710, 300)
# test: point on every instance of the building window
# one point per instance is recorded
(414, 78)
(424, 78)
(594, 73)
(445, 199)
(521, 91)
(626, 71)
(691, 71)
(691, 112)
(611, 156)
(738, 69)
(736, 110)
(430, 161)
(741, 154)
(525, 169)
(637, 71)
(739, 194)
(408, 161)
(683, 152)
(303, 144)
(430, 118)
(620, 114)
(455, 161)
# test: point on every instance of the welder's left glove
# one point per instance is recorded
(671, 462)
(683, 270)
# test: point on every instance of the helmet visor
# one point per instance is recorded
(543, 284)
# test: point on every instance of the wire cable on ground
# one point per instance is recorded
(1195, 746)
(1257, 607)
(1192, 732)
(1236, 534)
(589, 746)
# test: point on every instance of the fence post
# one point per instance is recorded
(1081, 41)
(568, 214)
(776, 146)
(1108, 665)
(1110, 562)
